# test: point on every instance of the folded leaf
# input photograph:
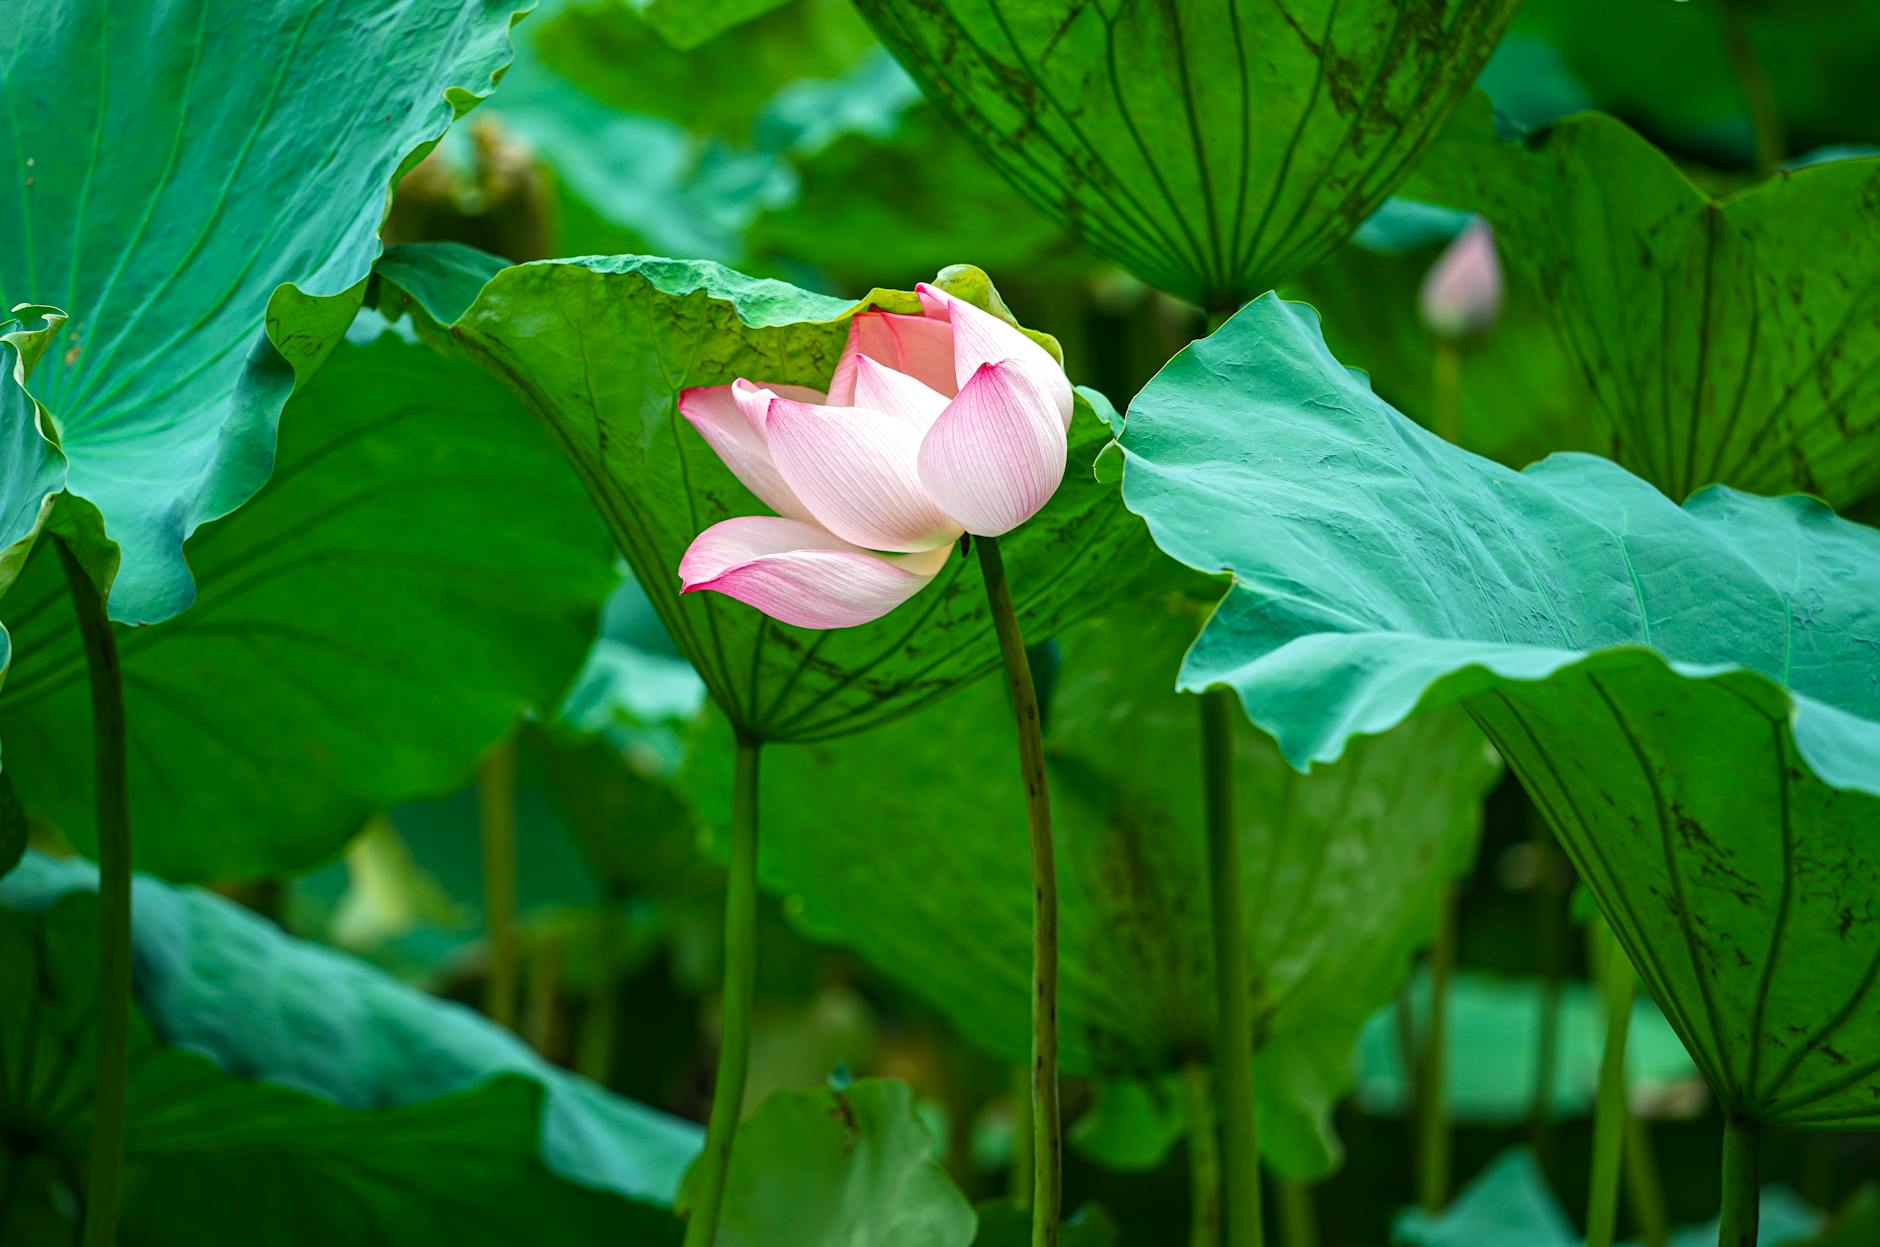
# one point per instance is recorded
(1689, 694)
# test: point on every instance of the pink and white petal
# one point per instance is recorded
(920, 347)
(996, 455)
(856, 472)
(753, 398)
(798, 573)
(717, 412)
(897, 394)
(979, 338)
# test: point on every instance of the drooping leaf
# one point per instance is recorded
(1510, 1205)
(1689, 694)
(282, 1093)
(199, 186)
(421, 569)
(1493, 1038)
(1724, 340)
(601, 348)
(1211, 148)
(920, 865)
(850, 1168)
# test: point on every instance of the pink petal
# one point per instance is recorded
(1461, 295)
(979, 338)
(996, 455)
(801, 574)
(915, 345)
(880, 388)
(856, 470)
(722, 415)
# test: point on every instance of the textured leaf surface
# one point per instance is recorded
(853, 1168)
(1689, 694)
(1211, 148)
(420, 570)
(283, 1093)
(199, 185)
(882, 845)
(1725, 340)
(601, 348)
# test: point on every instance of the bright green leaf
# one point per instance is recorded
(421, 569)
(851, 1168)
(1211, 148)
(601, 348)
(199, 185)
(1689, 694)
(282, 1093)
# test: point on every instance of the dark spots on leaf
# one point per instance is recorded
(843, 1111)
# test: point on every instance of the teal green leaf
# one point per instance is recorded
(1493, 1040)
(600, 348)
(1509, 1204)
(283, 1093)
(32, 468)
(1726, 340)
(420, 570)
(1211, 148)
(922, 869)
(850, 1168)
(1689, 694)
(200, 185)
(1004, 1224)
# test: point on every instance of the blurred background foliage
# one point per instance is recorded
(791, 144)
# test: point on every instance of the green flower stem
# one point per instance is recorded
(1644, 1189)
(1047, 1142)
(1204, 1157)
(1617, 980)
(1433, 1141)
(1742, 1185)
(1233, 1035)
(1446, 390)
(496, 813)
(740, 982)
(1298, 1212)
(114, 904)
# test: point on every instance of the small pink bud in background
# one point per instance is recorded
(937, 424)
(1461, 296)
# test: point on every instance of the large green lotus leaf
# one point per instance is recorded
(282, 1093)
(1689, 694)
(1491, 1057)
(1213, 148)
(923, 871)
(200, 185)
(32, 470)
(1725, 340)
(420, 570)
(601, 347)
(848, 1168)
(1667, 69)
(1519, 395)
(1509, 1204)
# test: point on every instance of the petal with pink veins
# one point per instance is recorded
(801, 574)
(979, 338)
(916, 345)
(856, 470)
(996, 455)
(898, 394)
(722, 415)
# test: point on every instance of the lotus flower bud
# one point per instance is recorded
(1461, 296)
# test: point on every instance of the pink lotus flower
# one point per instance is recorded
(1461, 295)
(934, 425)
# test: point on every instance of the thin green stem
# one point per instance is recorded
(740, 987)
(1433, 1143)
(1617, 981)
(1204, 1157)
(496, 815)
(1298, 1212)
(1047, 1142)
(1644, 1190)
(1742, 1185)
(600, 1020)
(1233, 1035)
(114, 903)
(1446, 390)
